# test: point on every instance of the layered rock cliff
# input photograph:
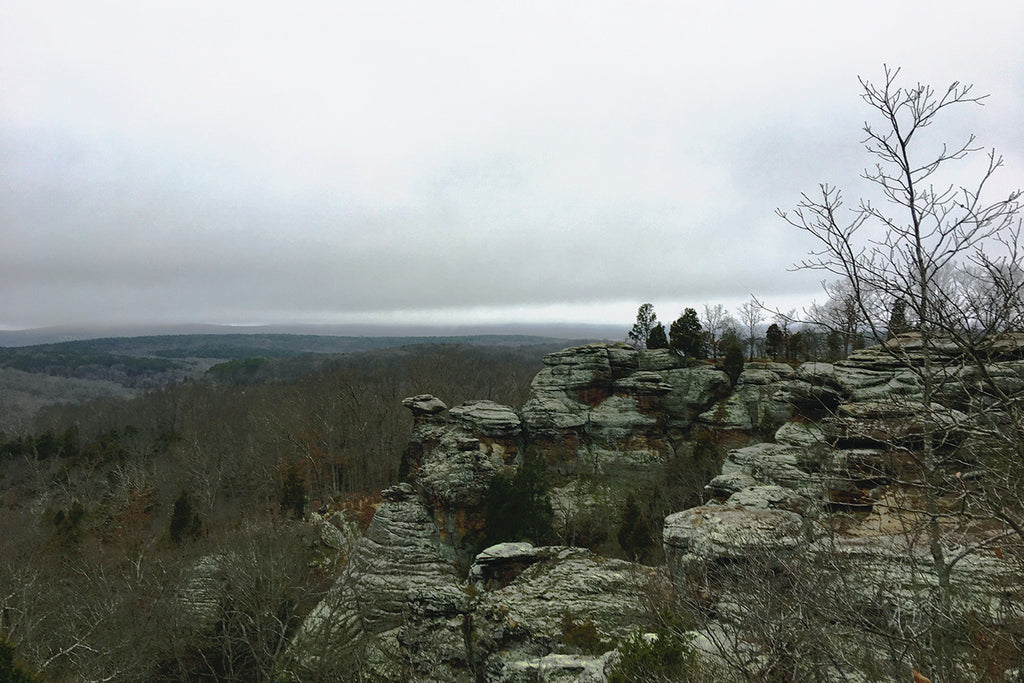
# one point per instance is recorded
(813, 487)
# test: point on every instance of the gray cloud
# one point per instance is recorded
(344, 161)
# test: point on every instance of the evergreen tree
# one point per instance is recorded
(775, 341)
(634, 533)
(657, 338)
(518, 507)
(11, 670)
(898, 320)
(293, 491)
(646, 319)
(687, 337)
(733, 363)
(185, 523)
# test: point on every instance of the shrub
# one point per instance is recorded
(733, 363)
(583, 635)
(68, 524)
(11, 670)
(518, 507)
(185, 522)
(663, 656)
(634, 533)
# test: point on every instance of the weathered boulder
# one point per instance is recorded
(757, 376)
(424, 406)
(782, 370)
(812, 400)
(435, 641)
(555, 668)
(891, 422)
(566, 592)
(201, 597)
(768, 497)
(694, 390)
(779, 464)
(498, 565)
(453, 462)
(400, 559)
(577, 381)
(400, 554)
(712, 534)
(752, 406)
(730, 481)
(818, 374)
(610, 411)
(455, 483)
(804, 435)
(487, 418)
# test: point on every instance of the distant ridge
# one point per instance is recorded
(416, 333)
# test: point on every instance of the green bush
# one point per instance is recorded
(733, 362)
(634, 534)
(583, 636)
(185, 522)
(11, 670)
(518, 507)
(666, 657)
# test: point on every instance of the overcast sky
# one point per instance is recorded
(258, 162)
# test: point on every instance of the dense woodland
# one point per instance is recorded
(107, 504)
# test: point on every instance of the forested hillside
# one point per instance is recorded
(106, 505)
(75, 371)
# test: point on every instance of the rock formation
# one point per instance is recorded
(809, 492)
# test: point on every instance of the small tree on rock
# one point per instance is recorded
(733, 363)
(657, 338)
(646, 319)
(687, 337)
(775, 341)
(898, 319)
(634, 533)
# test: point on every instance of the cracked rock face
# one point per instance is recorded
(613, 410)
(521, 612)
(711, 534)
(453, 459)
(564, 586)
(399, 556)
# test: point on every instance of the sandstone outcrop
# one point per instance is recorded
(771, 514)
(400, 558)
(453, 458)
(811, 490)
(706, 535)
(613, 410)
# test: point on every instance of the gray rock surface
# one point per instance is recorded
(424, 602)
(752, 406)
(531, 613)
(487, 418)
(716, 533)
(399, 560)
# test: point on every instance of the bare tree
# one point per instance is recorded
(840, 315)
(751, 314)
(716, 322)
(924, 242)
